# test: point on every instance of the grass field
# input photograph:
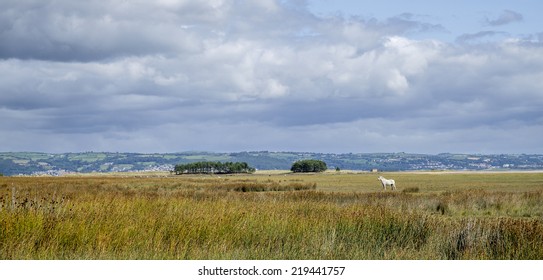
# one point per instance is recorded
(273, 215)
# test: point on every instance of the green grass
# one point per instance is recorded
(207, 158)
(87, 157)
(273, 216)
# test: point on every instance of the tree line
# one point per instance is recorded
(211, 167)
(309, 165)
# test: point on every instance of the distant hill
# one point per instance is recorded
(14, 163)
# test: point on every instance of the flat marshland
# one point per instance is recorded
(332, 215)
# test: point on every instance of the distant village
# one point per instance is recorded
(62, 172)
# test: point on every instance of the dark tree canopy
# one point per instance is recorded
(309, 165)
(210, 167)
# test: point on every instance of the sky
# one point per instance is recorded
(278, 75)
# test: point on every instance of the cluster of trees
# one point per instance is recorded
(309, 165)
(210, 167)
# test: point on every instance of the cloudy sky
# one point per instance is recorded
(278, 75)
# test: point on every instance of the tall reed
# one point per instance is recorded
(212, 218)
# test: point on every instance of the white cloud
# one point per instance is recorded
(185, 75)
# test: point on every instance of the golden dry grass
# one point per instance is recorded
(273, 216)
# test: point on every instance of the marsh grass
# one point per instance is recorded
(263, 217)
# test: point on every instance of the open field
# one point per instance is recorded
(273, 215)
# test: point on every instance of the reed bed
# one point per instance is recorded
(259, 218)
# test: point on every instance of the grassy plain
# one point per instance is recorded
(273, 215)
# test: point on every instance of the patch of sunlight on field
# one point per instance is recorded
(350, 181)
(363, 182)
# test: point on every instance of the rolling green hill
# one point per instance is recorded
(14, 163)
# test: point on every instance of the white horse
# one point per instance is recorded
(387, 182)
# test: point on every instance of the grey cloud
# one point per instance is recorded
(97, 30)
(408, 22)
(481, 35)
(506, 17)
(94, 30)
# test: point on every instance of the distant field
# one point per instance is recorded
(273, 215)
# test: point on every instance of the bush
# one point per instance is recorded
(309, 165)
(411, 190)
